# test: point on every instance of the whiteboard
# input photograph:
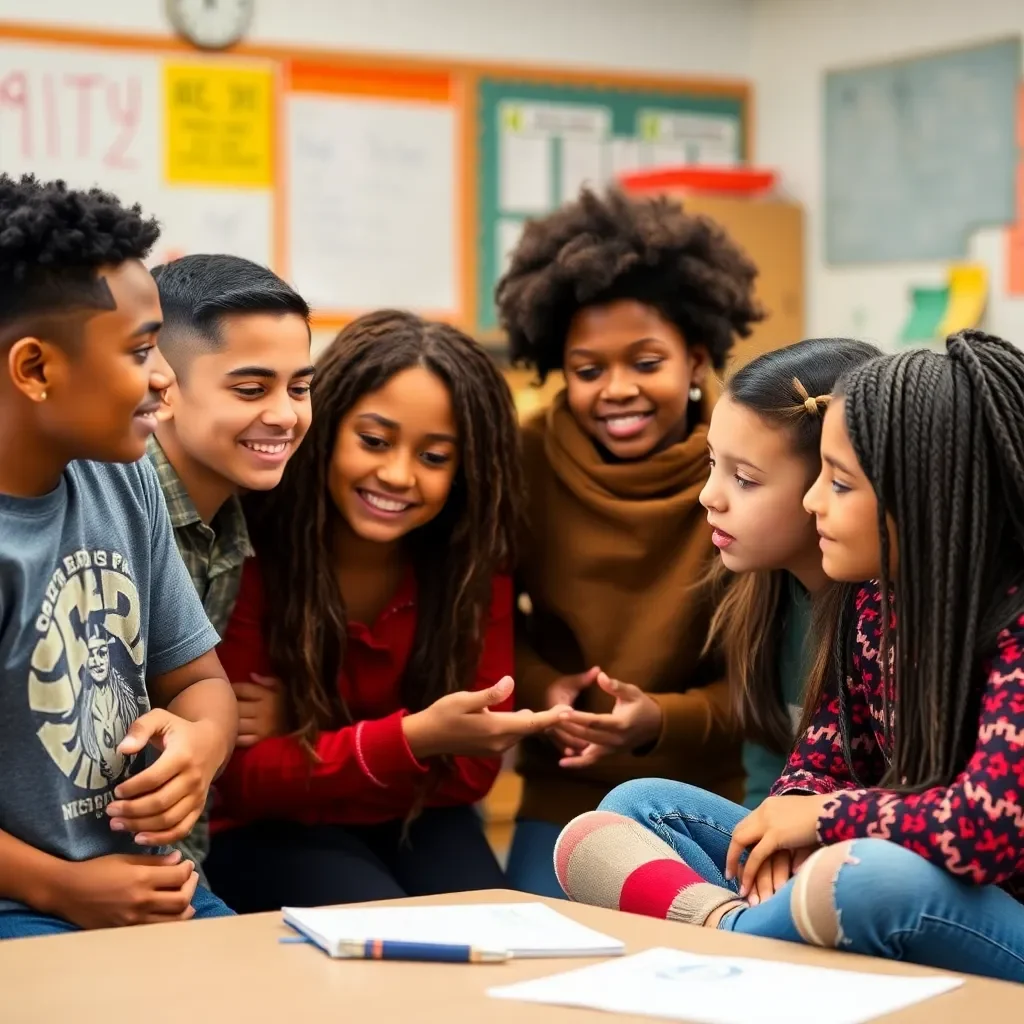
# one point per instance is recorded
(372, 205)
(95, 117)
(920, 153)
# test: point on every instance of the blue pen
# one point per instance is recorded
(432, 952)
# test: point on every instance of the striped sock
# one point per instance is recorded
(608, 860)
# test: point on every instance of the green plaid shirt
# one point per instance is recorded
(214, 555)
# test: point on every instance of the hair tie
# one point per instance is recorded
(811, 405)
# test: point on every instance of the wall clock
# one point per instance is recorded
(211, 24)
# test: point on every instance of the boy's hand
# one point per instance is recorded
(462, 723)
(161, 804)
(260, 710)
(125, 889)
(635, 719)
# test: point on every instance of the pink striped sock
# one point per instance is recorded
(608, 860)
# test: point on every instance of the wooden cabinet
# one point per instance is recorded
(772, 233)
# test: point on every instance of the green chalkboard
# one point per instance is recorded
(539, 143)
(920, 154)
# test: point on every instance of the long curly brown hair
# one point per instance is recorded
(454, 557)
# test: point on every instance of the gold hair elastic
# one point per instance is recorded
(812, 405)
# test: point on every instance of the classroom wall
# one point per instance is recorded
(793, 42)
(682, 37)
(699, 37)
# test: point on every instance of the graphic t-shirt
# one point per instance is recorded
(94, 598)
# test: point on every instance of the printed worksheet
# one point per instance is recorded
(674, 985)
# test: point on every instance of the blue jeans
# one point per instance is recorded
(23, 924)
(891, 902)
(531, 861)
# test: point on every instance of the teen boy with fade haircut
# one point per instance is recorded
(237, 338)
(115, 715)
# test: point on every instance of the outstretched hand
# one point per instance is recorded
(464, 723)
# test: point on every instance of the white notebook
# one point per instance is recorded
(521, 929)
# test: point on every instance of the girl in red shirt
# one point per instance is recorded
(372, 638)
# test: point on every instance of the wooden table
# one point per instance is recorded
(234, 969)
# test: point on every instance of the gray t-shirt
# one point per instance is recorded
(94, 598)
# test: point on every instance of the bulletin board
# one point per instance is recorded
(366, 181)
(541, 142)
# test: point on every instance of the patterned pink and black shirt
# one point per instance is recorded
(974, 828)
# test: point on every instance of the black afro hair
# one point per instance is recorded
(53, 240)
(602, 248)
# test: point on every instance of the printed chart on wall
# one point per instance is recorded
(189, 140)
(540, 143)
(371, 213)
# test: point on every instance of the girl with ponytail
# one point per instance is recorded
(902, 806)
(763, 443)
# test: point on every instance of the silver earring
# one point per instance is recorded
(695, 394)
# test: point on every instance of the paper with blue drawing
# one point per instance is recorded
(674, 985)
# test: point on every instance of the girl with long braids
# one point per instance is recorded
(373, 632)
(905, 798)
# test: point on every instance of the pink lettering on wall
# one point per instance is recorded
(125, 111)
(75, 116)
(51, 118)
(14, 97)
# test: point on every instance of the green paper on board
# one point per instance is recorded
(928, 307)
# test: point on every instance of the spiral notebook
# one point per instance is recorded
(521, 929)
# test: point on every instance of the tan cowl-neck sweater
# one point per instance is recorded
(612, 562)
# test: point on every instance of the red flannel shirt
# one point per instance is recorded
(974, 828)
(366, 772)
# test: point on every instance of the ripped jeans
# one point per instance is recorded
(874, 898)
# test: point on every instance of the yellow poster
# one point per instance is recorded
(968, 293)
(218, 125)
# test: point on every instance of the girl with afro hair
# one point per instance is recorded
(638, 303)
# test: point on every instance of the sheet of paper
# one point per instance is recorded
(583, 163)
(968, 292)
(524, 929)
(715, 155)
(674, 985)
(668, 154)
(927, 308)
(525, 174)
(372, 200)
(508, 235)
(625, 156)
(216, 220)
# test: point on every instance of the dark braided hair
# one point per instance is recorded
(455, 556)
(601, 249)
(941, 438)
